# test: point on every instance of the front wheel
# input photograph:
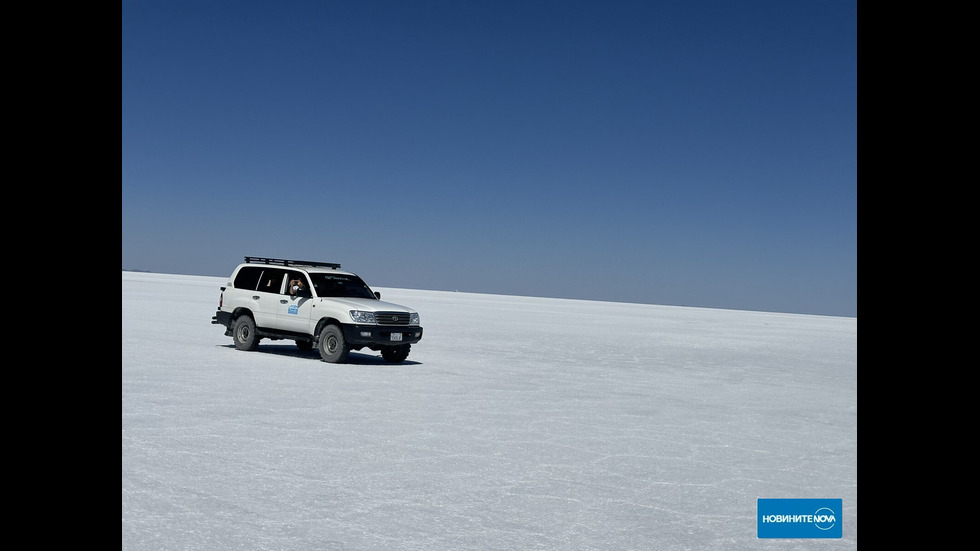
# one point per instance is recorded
(244, 334)
(333, 347)
(396, 354)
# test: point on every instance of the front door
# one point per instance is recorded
(295, 310)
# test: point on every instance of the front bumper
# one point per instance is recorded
(381, 335)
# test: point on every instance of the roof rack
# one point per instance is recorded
(284, 262)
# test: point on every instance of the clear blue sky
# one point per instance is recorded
(698, 153)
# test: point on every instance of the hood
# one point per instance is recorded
(368, 305)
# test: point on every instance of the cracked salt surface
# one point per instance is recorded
(516, 423)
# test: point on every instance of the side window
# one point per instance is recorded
(294, 277)
(248, 278)
(271, 280)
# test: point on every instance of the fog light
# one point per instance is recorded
(365, 333)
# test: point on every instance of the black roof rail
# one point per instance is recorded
(284, 262)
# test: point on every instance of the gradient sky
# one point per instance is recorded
(696, 153)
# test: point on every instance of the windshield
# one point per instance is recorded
(340, 285)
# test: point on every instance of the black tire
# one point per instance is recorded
(396, 354)
(305, 346)
(333, 347)
(244, 333)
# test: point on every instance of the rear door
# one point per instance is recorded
(265, 300)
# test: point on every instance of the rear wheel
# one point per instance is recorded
(333, 347)
(244, 334)
(396, 354)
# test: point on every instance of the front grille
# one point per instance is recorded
(391, 318)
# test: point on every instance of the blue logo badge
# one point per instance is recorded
(293, 309)
(801, 518)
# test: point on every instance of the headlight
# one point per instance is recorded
(413, 319)
(362, 317)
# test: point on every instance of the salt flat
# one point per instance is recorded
(516, 423)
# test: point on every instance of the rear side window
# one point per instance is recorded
(271, 280)
(260, 278)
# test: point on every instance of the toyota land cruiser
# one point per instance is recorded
(315, 304)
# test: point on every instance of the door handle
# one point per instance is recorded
(283, 301)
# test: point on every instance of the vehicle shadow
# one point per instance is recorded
(355, 358)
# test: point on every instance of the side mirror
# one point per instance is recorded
(377, 294)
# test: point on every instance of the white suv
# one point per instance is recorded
(314, 304)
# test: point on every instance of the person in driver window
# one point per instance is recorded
(296, 285)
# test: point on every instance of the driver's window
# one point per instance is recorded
(297, 285)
